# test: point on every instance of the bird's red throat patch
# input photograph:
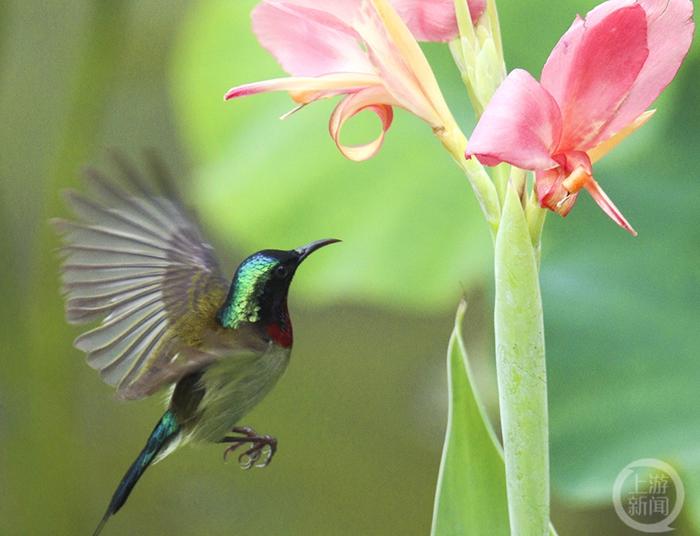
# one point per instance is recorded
(280, 334)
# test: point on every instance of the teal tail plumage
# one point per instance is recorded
(164, 432)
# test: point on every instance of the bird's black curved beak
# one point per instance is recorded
(308, 249)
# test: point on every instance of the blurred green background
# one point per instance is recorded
(360, 414)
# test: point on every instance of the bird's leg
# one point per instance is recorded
(259, 454)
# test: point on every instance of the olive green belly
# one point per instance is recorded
(232, 387)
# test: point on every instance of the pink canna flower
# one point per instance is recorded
(594, 90)
(361, 50)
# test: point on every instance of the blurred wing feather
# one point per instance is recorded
(139, 264)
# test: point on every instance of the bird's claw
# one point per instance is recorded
(260, 453)
(257, 456)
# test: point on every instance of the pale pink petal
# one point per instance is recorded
(521, 125)
(308, 42)
(670, 32)
(434, 20)
(399, 61)
(373, 99)
(608, 206)
(593, 68)
(307, 89)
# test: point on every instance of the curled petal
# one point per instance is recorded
(306, 41)
(593, 68)
(368, 99)
(434, 20)
(521, 125)
(607, 205)
(670, 32)
(305, 89)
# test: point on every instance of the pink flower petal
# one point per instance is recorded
(593, 68)
(556, 73)
(308, 42)
(358, 48)
(608, 206)
(374, 99)
(307, 89)
(521, 125)
(434, 20)
(670, 32)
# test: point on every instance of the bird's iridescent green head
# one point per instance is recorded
(258, 292)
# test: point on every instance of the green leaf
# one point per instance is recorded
(412, 232)
(471, 490)
(521, 372)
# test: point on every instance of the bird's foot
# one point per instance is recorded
(260, 453)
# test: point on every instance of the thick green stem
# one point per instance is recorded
(522, 378)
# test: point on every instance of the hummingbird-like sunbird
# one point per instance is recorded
(135, 259)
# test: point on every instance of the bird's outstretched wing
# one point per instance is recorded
(136, 260)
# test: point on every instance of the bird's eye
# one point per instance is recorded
(281, 271)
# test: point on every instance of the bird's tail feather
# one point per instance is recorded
(163, 434)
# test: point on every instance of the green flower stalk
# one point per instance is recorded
(519, 329)
(521, 372)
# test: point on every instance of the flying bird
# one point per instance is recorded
(135, 260)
